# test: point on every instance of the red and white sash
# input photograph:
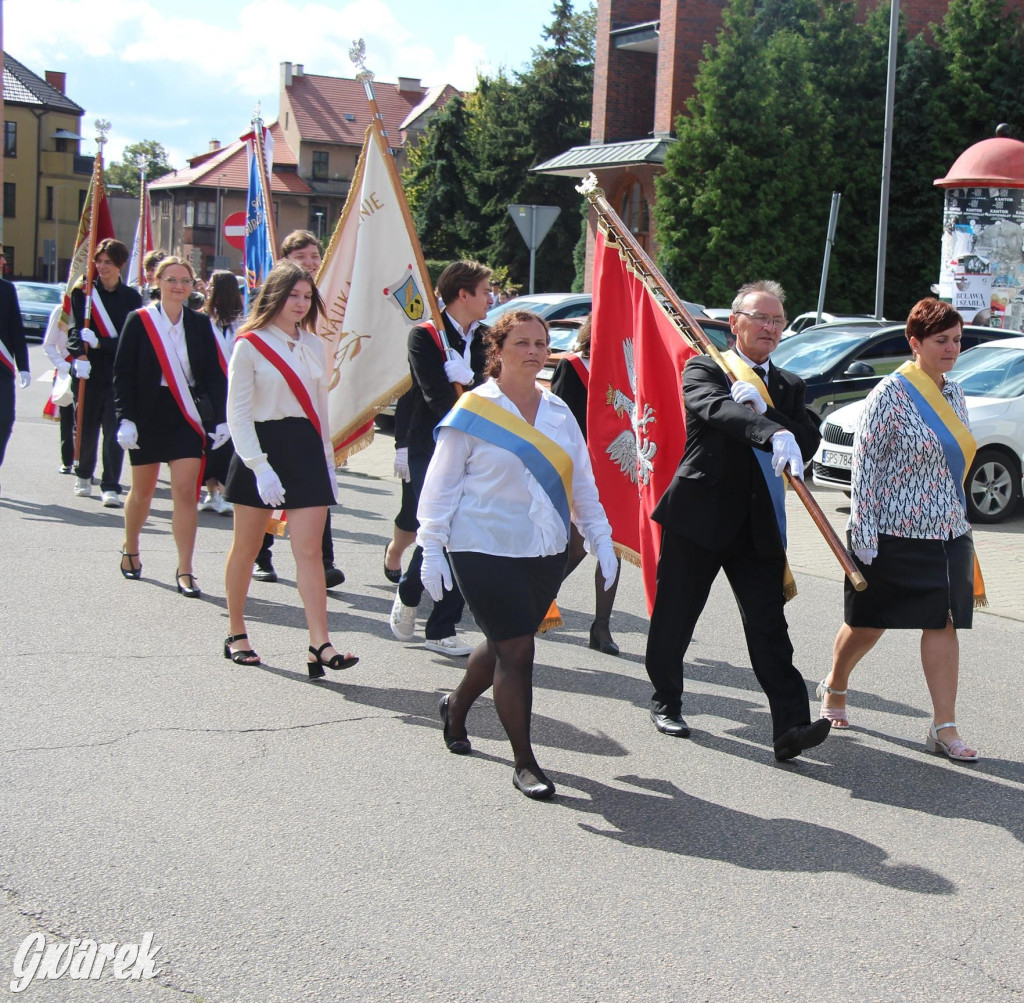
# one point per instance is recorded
(7, 359)
(158, 328)
(581, 366)
(221, 354)
(292, 378)
(99, 320)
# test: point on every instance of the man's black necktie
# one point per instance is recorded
(760, 372)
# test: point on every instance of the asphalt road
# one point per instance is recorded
(285, 840)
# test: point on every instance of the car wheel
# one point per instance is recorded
(993, 487)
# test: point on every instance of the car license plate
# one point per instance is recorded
(833, 459)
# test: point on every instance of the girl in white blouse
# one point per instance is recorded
(278, 378)
(509, 469)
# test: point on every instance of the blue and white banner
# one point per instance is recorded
(259, 253)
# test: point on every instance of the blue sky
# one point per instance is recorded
(186, 73)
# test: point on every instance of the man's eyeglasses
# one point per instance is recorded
(763, 319)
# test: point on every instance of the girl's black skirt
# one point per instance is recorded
(915, 585)
(508, 596)
(166, 435)
(296, 452)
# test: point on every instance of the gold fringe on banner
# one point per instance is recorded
(277, 526)
(552, 619)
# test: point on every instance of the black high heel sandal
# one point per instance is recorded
(188, 591)
(608, 647)
(316, 669)
(244, 657)
(132, 571)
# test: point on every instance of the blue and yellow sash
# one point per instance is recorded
(954, 436)
(776, 485)
(544, 458)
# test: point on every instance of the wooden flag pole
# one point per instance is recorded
(699, 341)
(96, 185)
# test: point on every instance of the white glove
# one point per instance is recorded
(81, 368)
(63, 367)
(270, 488)
(746, 393)
(458, 372)
(24, 379)
(866, 555)
(435, 574)
(786, 453)
(609, 562)
(89, 337)
(219, 436)
(402, 464)
(127, 434)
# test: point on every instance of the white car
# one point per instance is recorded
(992, 375)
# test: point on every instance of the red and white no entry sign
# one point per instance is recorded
(234, 230)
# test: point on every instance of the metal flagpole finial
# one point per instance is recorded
(357, 53)
(102, 128)
(588, 186)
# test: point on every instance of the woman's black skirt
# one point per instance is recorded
(296, 452)
(915, 585)
(219, 460)
(508, 596)
(166, 435)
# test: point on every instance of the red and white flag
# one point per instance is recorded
(143, 242)
(95, 201)
(635, 424)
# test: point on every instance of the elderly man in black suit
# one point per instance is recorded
(719, 514)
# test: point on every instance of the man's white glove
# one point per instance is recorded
(746, 393)
(219, 436)
(402, 464)
(435, 574)
(63, 367)
(866, 555)
(24, 379)
(786, 453)
(270, 488)
(127, 434)
(458, 372)
(81, 368)
(609, 562)
(89, 337)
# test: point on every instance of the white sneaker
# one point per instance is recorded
(403, 619)
(207, 502)
(451, 646)
(83, 487)
(111, 499)
(221, 506)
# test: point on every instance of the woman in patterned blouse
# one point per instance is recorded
(908, 525)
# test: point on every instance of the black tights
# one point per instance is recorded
(508, 667)
(604, 598)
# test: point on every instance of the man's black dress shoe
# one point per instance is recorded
(532, 782)
(333, 576)
(264, 573)
(671, 724)
(800, 738)
(460, 746)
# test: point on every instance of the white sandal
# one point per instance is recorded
(954, 750)
(837, 715)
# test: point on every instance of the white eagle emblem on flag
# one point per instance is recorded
(632, 450)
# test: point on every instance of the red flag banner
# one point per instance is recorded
(635, 424)
(95, 201)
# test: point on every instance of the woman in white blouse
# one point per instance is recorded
(510, 469)
(908, 524)
(167, 383)
(278, 378)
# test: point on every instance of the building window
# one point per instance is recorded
(61, 146)
(10, 139)
(635, 212)
(206, 214)
(9, 201)
(49, 202)
(165, 207)
(190, 214)
(320, 163)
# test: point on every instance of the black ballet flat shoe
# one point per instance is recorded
(392, 576)
(316, 668)
(333, 577)
(244, 657)
(800, 738)
(190, 591)
(671, 724)
(460, 746)
(530, 780)
(131, 571)
(608, 647)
